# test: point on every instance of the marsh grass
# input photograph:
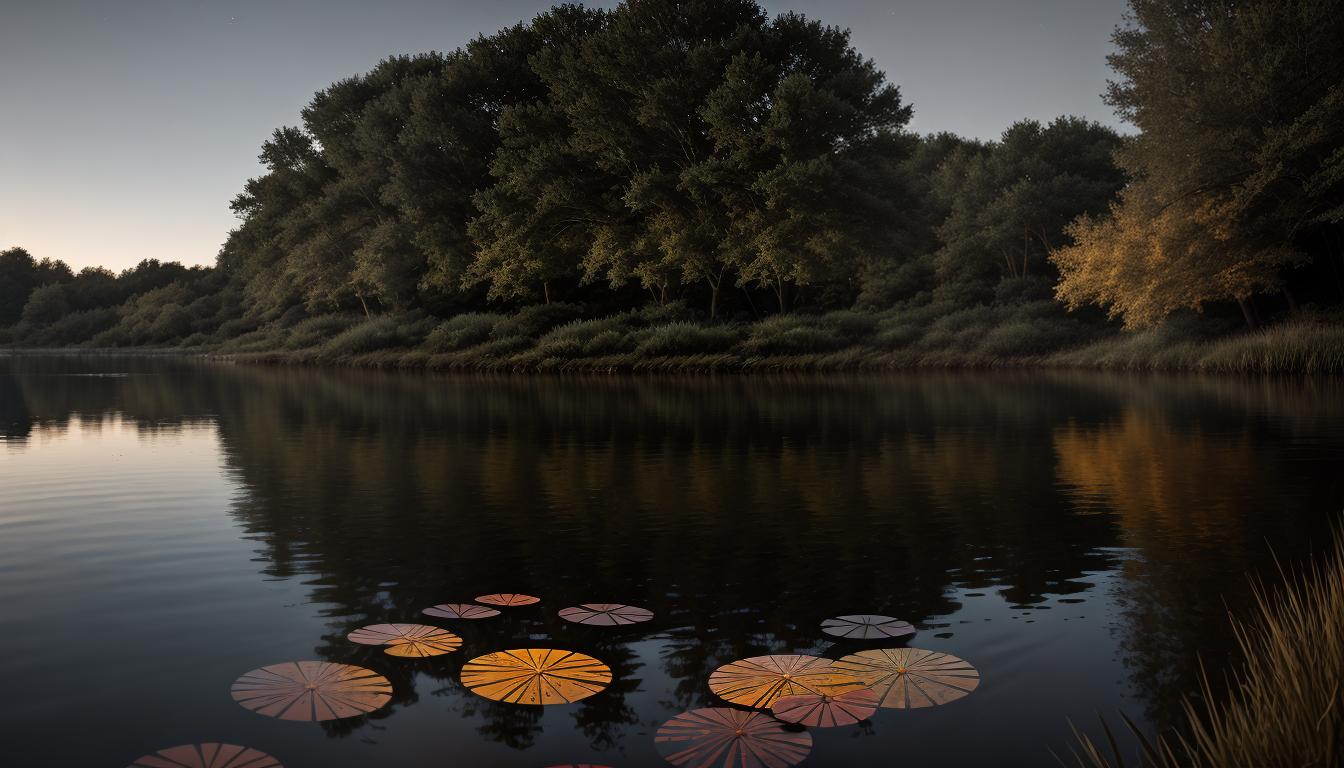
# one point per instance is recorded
(562, 337)
(1284, 706)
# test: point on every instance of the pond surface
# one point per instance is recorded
(168, 525)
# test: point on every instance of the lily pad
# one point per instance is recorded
(460, 611)
(822, 711)
(730, 738)
(208, 755)
(535, 676)
(605, 614)
(759, 681)
(508, 599)
(867, 627)
(312, 690)
(409, 640)
(908, 678)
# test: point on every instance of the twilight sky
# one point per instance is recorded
(128, 125)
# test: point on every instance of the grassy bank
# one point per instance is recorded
(1285, 704)
(558, 337)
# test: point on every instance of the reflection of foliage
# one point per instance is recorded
(728, 507)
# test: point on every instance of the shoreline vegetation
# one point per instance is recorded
(691, 185)
(1284, 703)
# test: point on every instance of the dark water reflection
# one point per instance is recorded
(1075, 536)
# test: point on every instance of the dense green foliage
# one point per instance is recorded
(697, 178)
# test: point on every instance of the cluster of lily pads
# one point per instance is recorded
(779, 692)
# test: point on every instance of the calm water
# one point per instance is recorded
(167, 525)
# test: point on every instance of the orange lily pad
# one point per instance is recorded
(535, 676)
(408, 640)
(508, 599)
(759, 681)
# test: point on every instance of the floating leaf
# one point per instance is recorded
(906, 678)
(312, 690)
(823, 711)
(867, 627)
(508, 599)
(411, 640)
(757, 682)
(460, 611)
(606, 614)
(535, 676)
(731, 738)
(209, 755)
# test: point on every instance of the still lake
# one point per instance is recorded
(167, 525)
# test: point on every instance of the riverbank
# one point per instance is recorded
(839, 342)
(805, 344)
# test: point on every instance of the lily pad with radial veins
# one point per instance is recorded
(408, 640)
(508, 599)
(867, 627)
(909, 678)
(460, 611)
(758, 681)
(209, 755)
(535, 676)
(719, 737)
(312, 690)
(605, 614)
(818, 710)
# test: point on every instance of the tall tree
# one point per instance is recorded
(1238, 172)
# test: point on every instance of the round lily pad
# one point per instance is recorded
(822, 711)
(208, 755)
(759, 681)
(508, 599)
(605, 614)
(460, 611)
(409, 640)
(535, 676)
(908, 678)
(867, 627)
(312, 690)
(730, 738)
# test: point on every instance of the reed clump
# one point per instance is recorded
(1284, 704)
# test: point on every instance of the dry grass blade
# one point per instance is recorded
(1285, 703)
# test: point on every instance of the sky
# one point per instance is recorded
(126, 126)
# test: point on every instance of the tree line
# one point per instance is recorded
(702, 153)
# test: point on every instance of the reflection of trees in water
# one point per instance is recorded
(1198, 506)
(742, 511)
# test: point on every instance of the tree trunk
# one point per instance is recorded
(1292, 300)
(714, 297)
(780, 289)
(363, 304)
(750, 303)
(1246, 313)
(546, 290)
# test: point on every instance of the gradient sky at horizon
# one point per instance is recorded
(128, 126)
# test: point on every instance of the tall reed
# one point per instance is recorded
(1284, 705)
